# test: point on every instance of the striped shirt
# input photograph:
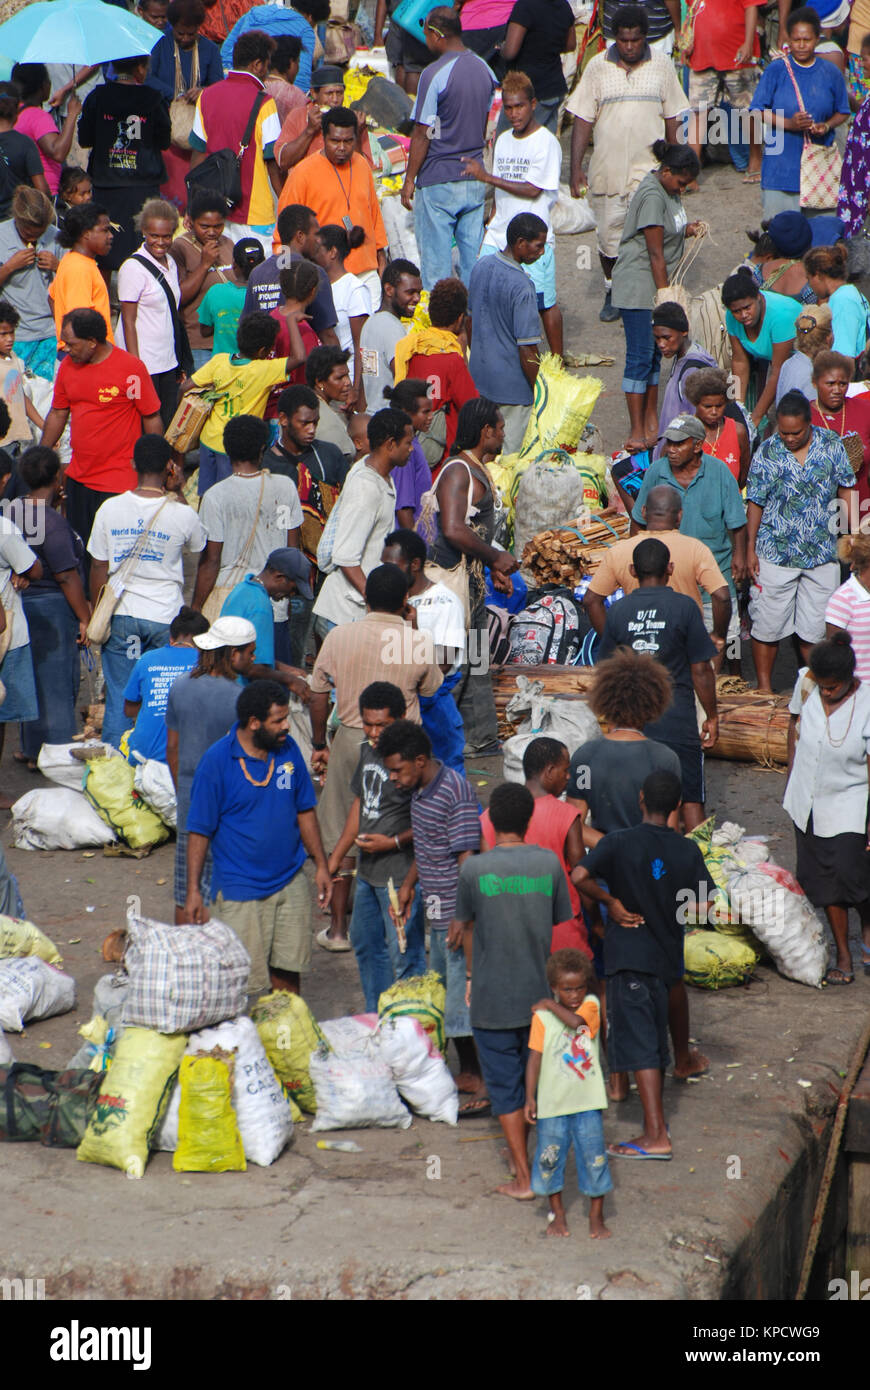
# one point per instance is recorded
(849, 608)
(378, 647)
(444, 818)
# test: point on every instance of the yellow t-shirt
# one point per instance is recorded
(78, 284)
(245, 386)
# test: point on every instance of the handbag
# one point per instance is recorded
(211, 609)
(821, 165)
(221, 172)
(183, 354)
(112, 591)
(181, 112)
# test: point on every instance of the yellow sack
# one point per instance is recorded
(108, 785)
(419, 996)
(714, 961)
(96, 1032)
(289, 1034)
(718, 859)
(561, 408)
(132, 1100)
(20, 938)
(208, 1133)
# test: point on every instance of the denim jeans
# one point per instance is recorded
(450, 965)
(555, 1138)
(213, 468)
(56, 668)
(129, 639)
(642, 357)
(376, 946)
(301, 624)
(201, 356)
(442, 212)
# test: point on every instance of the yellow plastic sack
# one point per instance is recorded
(208, 1133)
(561, 408)
(132, 1100)
(290, 1034)
(96, 1032)
(716, 858)
(108, 785)
(419, 996)
(20, 938)
(714, 961)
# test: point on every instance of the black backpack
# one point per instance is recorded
(221, 172)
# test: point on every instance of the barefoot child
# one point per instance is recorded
(507, 904)
(649, 869)
(565, 1091)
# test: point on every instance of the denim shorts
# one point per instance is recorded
(450, 965)
(503, 1054)
(637, 1022)
(554, 1139)
(642, 357)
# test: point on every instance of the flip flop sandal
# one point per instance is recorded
(838, 977)
(477, 1108)
(638, 1154)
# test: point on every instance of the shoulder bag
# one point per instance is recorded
(181, 112)
(821, 165)
(211, 609)
(455, 578)
(221, 172)
(183, 354)
(112, 591)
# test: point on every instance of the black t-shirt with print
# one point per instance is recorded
(125, 126)
(384, 809)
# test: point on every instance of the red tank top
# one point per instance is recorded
(727, 446)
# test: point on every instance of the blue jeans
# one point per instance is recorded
(642, 357)
(442, 213)
(129, 639)
(300, 625)
(201, 356)
(450, 965)
(555, 1138)
(376, 946)
(213, 468)
(56, 669)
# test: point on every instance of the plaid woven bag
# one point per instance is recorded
(184, 978)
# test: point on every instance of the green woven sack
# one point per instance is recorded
(714, 961)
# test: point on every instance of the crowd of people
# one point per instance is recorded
(320, 568)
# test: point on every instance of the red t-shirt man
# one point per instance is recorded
(719, 34)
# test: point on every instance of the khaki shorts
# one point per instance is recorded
(516, 419)
(336, 798)
(707, 88)
(274, 931)
(609, 211)
(783, 600)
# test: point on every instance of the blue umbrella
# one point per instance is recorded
(75, 31)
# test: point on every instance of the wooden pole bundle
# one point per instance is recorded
(563, 555)
(752, 727)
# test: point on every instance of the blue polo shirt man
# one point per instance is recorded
(252, 598)
(505, 325)
(253, 803)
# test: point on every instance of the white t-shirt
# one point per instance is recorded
(536, 159)
(16, 557)
(153, 590)
(367, 514)
(228, 511)
(377, 342)
(352, 300)
(440, 612)
(137, 285)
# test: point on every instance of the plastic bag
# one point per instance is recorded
(208, 1135)
(108, 786)
(153, 782)
(560, 410)
(55, 761)
(570, 721)
(98, 1046)
(289, 1034)
(184, 978)
(355, 1093)
(719, 862)
(770, 900)
(262, 1109)
(418, 996)
(421, 1075)
(571, 215)
(20, 938)
(57, 818)
(132, 1099)
(714, 961)
(30, 989)
(552, 486)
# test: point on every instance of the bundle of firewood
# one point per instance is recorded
(563, 555)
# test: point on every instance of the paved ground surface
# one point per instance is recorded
(414, 1215)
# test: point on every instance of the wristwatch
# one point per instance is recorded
(318, 747)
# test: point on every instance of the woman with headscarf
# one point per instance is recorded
(776, 259)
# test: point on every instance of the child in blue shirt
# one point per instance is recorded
(147, 691)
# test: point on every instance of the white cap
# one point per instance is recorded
(227, 632)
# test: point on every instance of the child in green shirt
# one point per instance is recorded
(565, 1092)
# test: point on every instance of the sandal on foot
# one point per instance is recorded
(477, 1107)
(836, 976)
(330, 943)
(638, 1153)
(752, 178)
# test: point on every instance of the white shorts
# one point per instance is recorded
(609, 211)
(783, 600)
